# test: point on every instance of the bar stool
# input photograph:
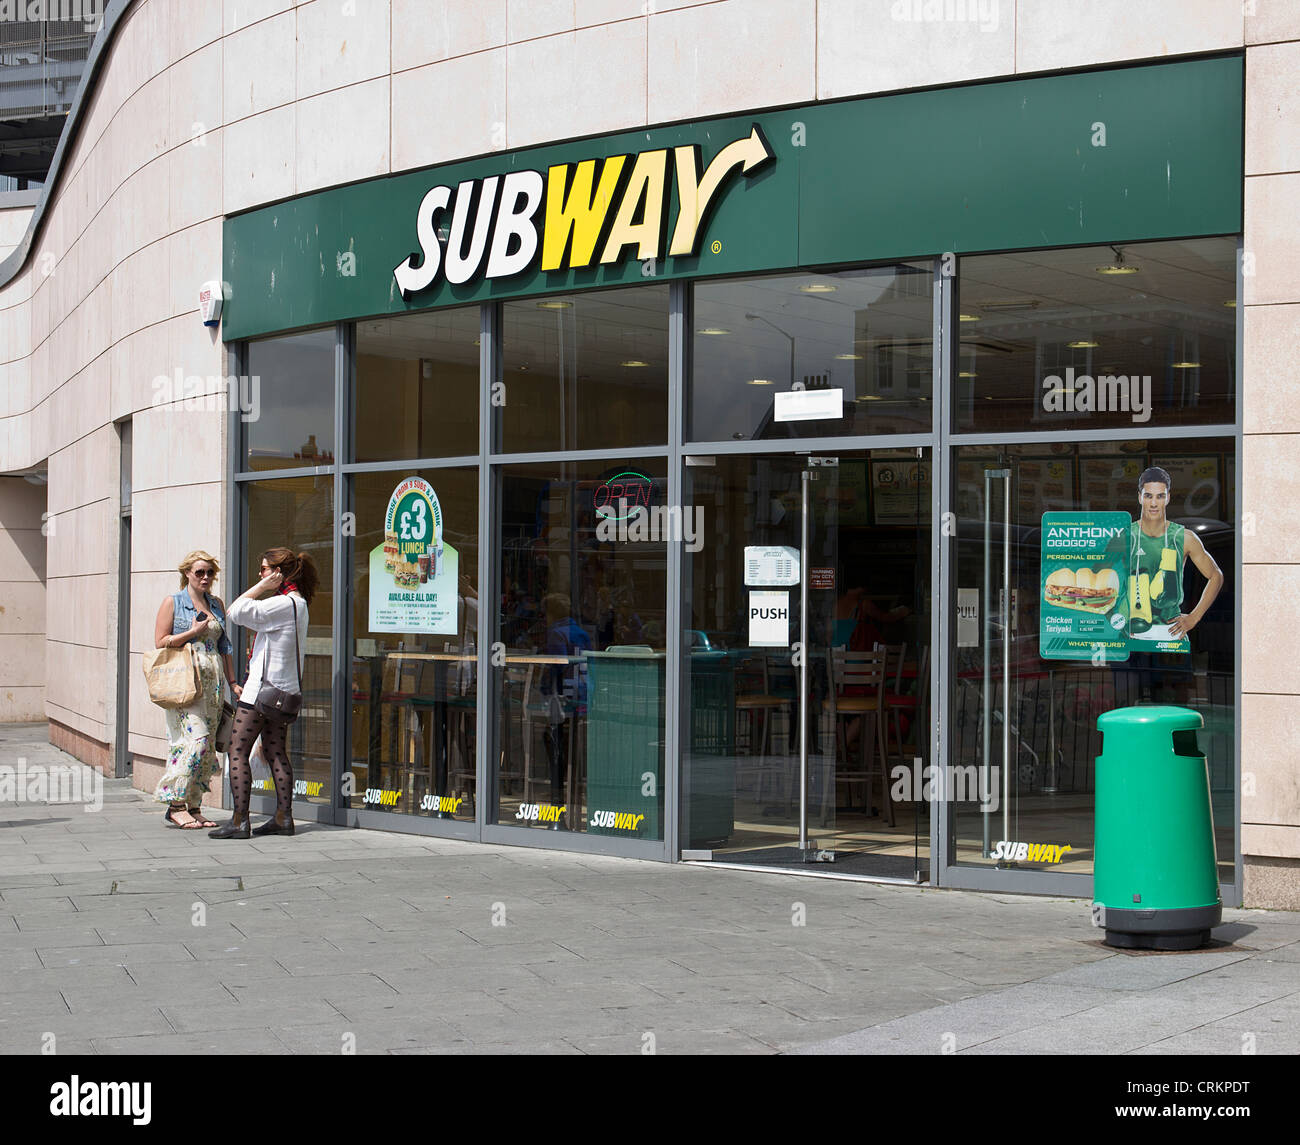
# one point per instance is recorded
(760, 704)
(865, 673)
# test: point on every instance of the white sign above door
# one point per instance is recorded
(808, 405)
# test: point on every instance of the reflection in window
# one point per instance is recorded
(1140, 334)
(1054, 702)
(294, 426)
(589, 371)
(417, 386)
(298, 513)
(868, 332)
(414, 670)
(583, 594)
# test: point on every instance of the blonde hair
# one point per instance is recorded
(187, 563)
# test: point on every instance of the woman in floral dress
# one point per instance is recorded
(193, 616)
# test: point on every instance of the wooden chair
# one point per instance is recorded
(864, 673)
(462, 709)
(422, 705)
(405, 741)
(755, 698)
(895, 655)
(516, 689)
(899, 704)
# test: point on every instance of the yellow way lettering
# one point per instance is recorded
(575, 210)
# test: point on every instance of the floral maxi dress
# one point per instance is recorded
(192, 760)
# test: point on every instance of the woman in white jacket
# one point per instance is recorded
(277, 660)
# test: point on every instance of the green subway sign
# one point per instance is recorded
(1119, 155)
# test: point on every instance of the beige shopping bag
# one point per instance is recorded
(172, 675)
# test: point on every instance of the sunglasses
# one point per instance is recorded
(203, 574)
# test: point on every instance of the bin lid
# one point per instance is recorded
(1173, 718)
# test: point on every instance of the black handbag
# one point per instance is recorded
(275, 702)
(225, 728)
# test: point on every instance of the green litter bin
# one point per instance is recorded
(1155, 872)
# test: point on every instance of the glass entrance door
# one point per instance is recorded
(1024, 726)
(805, 644)
(1054, 623)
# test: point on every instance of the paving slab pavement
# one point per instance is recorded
(120, 936)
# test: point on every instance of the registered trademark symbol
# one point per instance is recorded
(716, 248)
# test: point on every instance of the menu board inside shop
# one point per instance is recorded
(1197, 489)
(1106, 481)
(970, 486)
(900, 491)
(1044, 484)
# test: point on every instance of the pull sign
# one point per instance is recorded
(769, 619)
(968, 618)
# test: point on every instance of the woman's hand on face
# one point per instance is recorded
(272, 581)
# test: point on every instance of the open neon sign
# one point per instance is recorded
(621, 495)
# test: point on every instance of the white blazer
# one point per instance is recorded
(272, 620)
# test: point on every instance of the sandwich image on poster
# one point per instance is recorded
(413, 573)
(1083, 606)
(1082, 589)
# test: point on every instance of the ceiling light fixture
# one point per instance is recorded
(712, 331)
(759, 382)
(968, 317)
(1083, 345)
(818, 288)
(555, 304)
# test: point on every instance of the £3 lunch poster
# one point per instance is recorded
(413, 573)
(1083, 608)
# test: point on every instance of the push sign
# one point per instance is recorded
(769, 620)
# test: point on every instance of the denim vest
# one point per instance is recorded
(184, 614)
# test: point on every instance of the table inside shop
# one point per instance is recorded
(544, 659)
(438, 720)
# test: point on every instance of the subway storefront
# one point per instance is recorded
(792, 490)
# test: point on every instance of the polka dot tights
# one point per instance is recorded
(249, 724)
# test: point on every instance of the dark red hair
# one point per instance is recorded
(298, 569)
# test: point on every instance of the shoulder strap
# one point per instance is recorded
(296, 663)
